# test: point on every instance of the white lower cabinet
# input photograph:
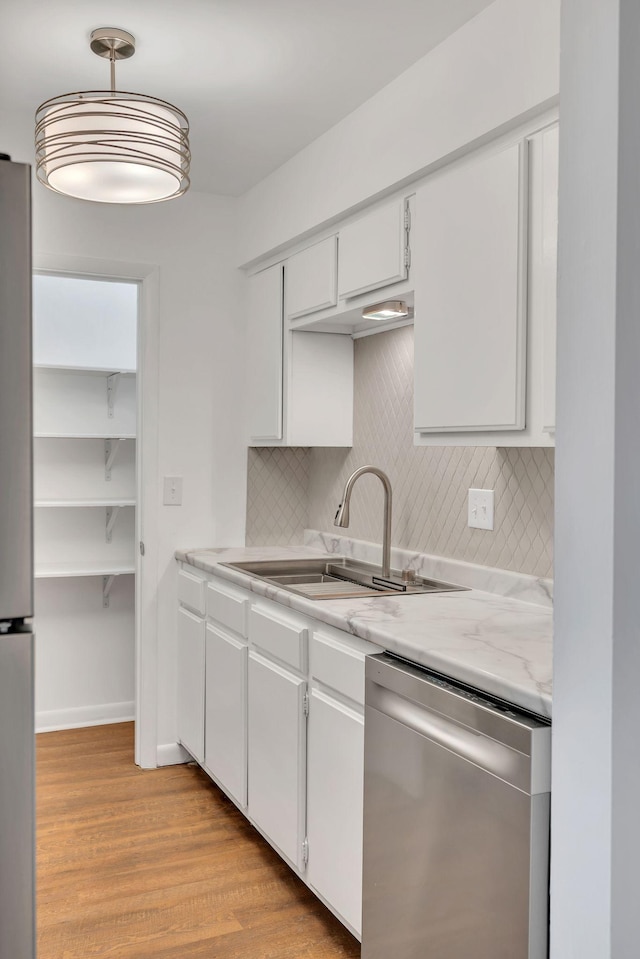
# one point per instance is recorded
(334, 805)
(335, 770)
(276, 755)
(271, 704)
(225, 754)
(191, 632)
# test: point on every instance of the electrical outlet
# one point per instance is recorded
(172, 491)
(481, 508)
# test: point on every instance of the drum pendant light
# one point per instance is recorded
(110, 146)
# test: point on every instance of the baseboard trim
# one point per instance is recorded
(76, 717)
(170, 754)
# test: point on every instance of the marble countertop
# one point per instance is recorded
(492, 642)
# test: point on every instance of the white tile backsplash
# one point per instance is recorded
(277, 496)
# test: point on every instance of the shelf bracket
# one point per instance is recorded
(112, 516)
(113, 382)
(111, 450)
(107, 583)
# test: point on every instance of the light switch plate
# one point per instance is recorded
(481, 508)
(172, 491)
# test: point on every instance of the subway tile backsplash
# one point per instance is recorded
(290, 489)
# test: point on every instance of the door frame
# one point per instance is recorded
(147, 499)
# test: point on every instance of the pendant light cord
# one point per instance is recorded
(112, 61)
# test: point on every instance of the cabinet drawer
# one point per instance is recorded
(228, 607)
(340, 665)
(283, 638)
(191, 591)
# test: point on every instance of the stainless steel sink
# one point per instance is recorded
(339, 578)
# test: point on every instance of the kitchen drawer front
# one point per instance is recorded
(339, 663)
(282, 637)
(228, 606)
(191, 591)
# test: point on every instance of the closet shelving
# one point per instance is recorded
(74, 402)
(84, 471)
(85, 488)
(84, 428)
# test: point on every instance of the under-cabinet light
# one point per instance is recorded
(389, 310)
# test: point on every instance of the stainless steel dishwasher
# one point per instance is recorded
(456, 821)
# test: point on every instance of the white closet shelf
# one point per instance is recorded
(97, 370)
(85, 436)
(69, 570)
(72, 503)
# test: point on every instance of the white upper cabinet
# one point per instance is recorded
(470, 283)
(320, 389)
(311, 279)
(299, 384)
(264, 353)
(372, 250)
(546, 261)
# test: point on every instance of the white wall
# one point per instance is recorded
(500, 66)
(596, 710)
(191, 240)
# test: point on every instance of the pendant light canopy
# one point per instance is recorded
(109, 146)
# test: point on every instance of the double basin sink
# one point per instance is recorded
(339, 578)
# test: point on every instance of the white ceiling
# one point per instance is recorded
(258, 79)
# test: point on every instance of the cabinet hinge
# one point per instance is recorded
(407, 231)
(305, 704)
(305, 852)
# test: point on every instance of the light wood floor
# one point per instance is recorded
(158, 864)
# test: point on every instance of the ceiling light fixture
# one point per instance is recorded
(109, 146)
(389, 310)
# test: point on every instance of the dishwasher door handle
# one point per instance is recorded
(502, 761)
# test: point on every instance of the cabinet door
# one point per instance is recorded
(334, 805)
(371, 250)
(470, 316)
(226, 712)
(549, 263)
(277, 746)
(310, 279)
(191, 682)
(320, 405)
(264, 350)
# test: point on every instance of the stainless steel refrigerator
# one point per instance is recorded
(17, 886)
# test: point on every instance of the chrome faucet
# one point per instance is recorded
(342, 515)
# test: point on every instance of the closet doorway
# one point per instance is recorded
(95, 443)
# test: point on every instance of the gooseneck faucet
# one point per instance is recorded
(342, 515)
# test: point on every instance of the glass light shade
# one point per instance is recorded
(112, 147)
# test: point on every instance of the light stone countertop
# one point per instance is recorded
(492, 642)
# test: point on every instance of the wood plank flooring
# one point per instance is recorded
(159, 864)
